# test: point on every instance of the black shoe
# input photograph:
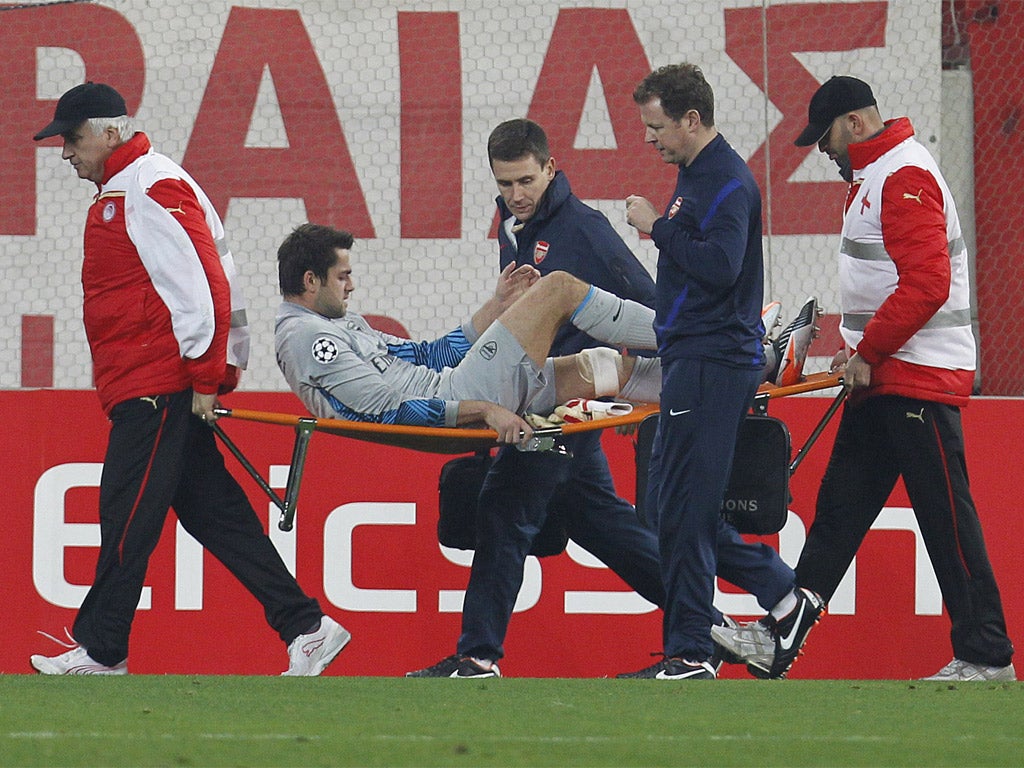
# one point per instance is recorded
(791, 346)
(673, 668)
(458, 666)
(789, 634)
(444, 668)
(473, 667)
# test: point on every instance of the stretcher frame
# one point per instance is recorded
(811, 383)
(448, 440)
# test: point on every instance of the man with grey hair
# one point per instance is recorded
(166, 327)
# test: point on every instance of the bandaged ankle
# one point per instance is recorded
(616, 321)
(601, 367)
(644, 384)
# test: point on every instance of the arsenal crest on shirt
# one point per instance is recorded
(675, 207)
(540, 251)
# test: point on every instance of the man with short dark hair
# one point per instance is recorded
(168, 334)
(491, 370)
(542, 223)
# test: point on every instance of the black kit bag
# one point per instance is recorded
(458, 496)
(757, 499)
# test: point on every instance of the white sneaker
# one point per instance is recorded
(963, 671)
(77, 661)
(309, 655)
(749, 641)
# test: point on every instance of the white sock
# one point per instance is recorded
(785, 606)
(644, 385)
(621, 322)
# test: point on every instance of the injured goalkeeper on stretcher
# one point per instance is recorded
(493, 369)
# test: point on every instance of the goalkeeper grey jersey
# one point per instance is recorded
(345, 369)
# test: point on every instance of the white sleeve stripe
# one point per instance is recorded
(175, 268)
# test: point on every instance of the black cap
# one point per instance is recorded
(79, 104)
(836, 97)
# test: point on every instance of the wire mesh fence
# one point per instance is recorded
(373, 116)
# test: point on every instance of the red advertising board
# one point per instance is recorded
(364, 544)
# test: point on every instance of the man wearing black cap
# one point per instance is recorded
(839, 96)
(909, 361)
(166, 327)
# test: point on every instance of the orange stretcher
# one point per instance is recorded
(448, 440)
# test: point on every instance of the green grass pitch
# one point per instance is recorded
(359, 721)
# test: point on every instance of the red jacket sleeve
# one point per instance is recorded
(914, 234)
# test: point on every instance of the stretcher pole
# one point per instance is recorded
(303, 433)
(822, 423)
(304, 427)
(247, 466)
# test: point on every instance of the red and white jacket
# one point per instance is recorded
(161, 295)
(903, 270)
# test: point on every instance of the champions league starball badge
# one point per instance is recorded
(324, 350)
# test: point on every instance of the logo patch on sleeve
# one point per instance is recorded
(324, 350)
(540, 251)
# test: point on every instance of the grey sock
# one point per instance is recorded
(617, 321)
(771, 362)
(644, 384)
